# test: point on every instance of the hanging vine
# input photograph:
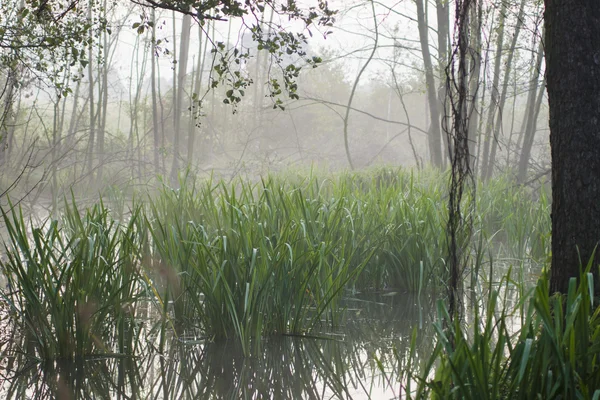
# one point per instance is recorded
(461, 101)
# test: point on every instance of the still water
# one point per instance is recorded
(359, 360)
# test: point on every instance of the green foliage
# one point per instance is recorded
(552, 353)
(231, 261)
(271, 36)
(45, 39)
(73, 286)
(242, 261)
(519, 223)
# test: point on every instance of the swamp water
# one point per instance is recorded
(156, 254)
(359, 360)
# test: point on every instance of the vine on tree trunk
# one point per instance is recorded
(456, 127)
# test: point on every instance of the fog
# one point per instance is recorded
(156, 105)
(286, 205)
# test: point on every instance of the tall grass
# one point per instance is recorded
(268, 264)
(545, 347)
(518, 220)
(242, 260)
(72, 285)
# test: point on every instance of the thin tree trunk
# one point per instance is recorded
(443, 34)
(356, 82)
(7, 117)
(530, 120)
(196, 96)
(434, 136)
(90, 153)
(184, 46)
(155, 127)
(494, 97)
(73, 122)
(476, 24)
(103, 104)
(509, 64)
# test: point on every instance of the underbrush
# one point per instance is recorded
(536, 346)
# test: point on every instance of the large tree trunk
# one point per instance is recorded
(573, 83)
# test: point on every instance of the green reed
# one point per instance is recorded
(245, 259)
(72, 283)
(255, 261)
(543, 346)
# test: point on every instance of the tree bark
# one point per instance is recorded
(573, 84)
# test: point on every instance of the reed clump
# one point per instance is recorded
(543, 346)
(73, 284)
(239, 260)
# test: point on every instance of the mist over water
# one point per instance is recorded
(209, 206)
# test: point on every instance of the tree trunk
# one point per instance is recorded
(103, 101)
(92, 116)
(184, 45)
(155, 127)
(531, 115)
(7, 120)
(73, 122)
(476, 24)
(194, 122)
(573, 83)
(435, 135)
(443, 34)
(494, 97)
(502, 102)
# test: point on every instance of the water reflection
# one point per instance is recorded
(348, 363)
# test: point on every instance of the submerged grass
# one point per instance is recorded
(241, 260)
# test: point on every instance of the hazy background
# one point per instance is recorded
(118, 131)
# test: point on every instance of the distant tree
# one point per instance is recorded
(54, 43)
(572, 46)
(33, 35)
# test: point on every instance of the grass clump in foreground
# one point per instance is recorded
(548, 347)
(233, 261)
(73, 284)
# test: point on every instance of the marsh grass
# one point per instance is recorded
(517, 219)
(241, 260)
(268, 263)
(72, 285)
(542, 346)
